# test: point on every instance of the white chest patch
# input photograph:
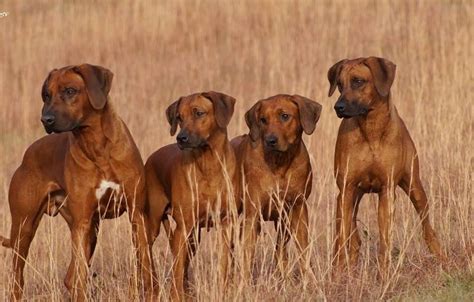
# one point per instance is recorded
(104, 186)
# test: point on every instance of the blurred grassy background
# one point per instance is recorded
(161, 50)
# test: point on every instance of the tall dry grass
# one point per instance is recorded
(160, 50)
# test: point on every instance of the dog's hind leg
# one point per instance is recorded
(25, 229)
(155, 214)
(414, 189)
(156, 205)
(27, 209)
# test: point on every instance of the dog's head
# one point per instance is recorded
(199, 116)
(280, 120)
(361, 82)
(71, 94)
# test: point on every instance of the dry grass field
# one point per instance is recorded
(161, 50)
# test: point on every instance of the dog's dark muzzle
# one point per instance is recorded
(54, 122)
(48, 121)
(186, 140)
(271, 142)
(345, 109)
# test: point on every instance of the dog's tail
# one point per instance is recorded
(5, 242)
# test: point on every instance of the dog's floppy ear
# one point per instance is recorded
(98, 83)
(251, 118)
(171, 116)
(223, 107)
(383, 72)
(310, 111)
(44, 88)
(333, 75)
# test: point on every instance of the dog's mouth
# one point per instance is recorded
(276, 149)
(191, 145)
(342, 115)
(349, 114)
(48, 130)
(56, 129)
(185, 146)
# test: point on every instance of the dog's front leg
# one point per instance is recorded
(251, 230)
(92, 235)
(355, 241)
(179, 248)
(344, 214)
(385, 220)
(226, 251)
(283, 236)
(81, 254)
(299, 225)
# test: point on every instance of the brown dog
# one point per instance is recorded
(193, 179)
(276, 174)
(89, 170)
(374, 154)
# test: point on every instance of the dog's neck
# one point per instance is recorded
(214, 154)
(281, 161)
(97, 134)
(374, 125)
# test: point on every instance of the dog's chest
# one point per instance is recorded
(276, 190)
(110, 197)
(107, 189)
(277, 199)
(281, 181)
(111, 188)
(375, 167)
(210, 186)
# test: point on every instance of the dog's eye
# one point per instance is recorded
(70, 91)
(263, 120)
(356, 83)
(285, 117)
(46, 97)
(199, 113)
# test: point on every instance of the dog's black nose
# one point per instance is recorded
(182, 138)
(48, 120)
(340, 107)
(271, 140)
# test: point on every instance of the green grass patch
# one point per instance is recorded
(454, 288)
